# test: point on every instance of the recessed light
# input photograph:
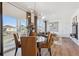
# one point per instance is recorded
(29, 16)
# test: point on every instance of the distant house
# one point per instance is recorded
(9, 28)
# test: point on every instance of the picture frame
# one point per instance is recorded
(53, 26)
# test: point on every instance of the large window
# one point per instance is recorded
(9, 27)
(12, 25)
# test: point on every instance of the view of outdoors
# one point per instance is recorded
(40, 26)
(10, 26)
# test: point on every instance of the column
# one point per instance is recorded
(1, 34)
(35, 20)
(32, 17)
(28, 16)
(45, 26)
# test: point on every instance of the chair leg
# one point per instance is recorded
(40, 51)
(37, 54)
(16, 51)
(49, 49)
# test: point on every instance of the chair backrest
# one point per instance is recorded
(48, 38)
(16, 39)
(33, 34)
(17, 35)
(51, 40)
(28, 46)
(52, 37)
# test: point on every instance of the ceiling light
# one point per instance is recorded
(29, 16)
(43, 17)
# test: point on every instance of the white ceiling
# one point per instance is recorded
(51, 10)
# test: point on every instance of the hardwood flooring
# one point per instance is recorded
(68, 48)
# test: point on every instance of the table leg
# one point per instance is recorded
(40, 51)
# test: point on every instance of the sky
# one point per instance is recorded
(8, 20)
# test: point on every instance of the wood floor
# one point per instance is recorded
(68, 48)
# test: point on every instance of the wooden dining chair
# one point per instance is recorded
(17, 43)
(28, 46)
(17, 35)
(47, 44)
(33, 34)
(54, 36)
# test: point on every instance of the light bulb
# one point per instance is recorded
(43, 17)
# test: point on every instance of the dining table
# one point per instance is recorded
(39, 38)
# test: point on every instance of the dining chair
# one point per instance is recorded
(28, 46)
(17, 35)
(47, 44)
(17, 43)
(54, 36)
(34, 34)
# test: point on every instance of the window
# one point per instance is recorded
(23, 26)
(9, 27)
(12, 25)
(40, 26)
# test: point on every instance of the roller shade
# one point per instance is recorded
(10, 10)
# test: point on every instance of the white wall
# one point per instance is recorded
(59, 26)
(65, 26)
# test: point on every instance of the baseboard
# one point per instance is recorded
(75, 40)
(9, 50)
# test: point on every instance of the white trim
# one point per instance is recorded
(75, 40)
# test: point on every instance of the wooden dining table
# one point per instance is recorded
(39, 38)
